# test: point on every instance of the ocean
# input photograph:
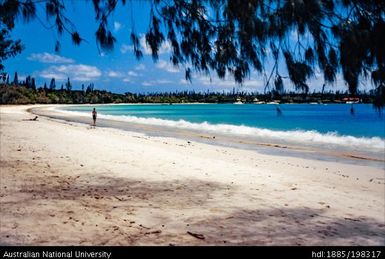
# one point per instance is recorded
(316, 125)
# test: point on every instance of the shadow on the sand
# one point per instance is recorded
(291, 226)
(174, 193)
(234, 225)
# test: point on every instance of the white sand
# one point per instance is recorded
(67, 184)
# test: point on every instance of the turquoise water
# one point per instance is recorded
(329, 126)
(332, 118)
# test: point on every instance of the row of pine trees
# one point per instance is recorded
(30, 83)
(27, 92)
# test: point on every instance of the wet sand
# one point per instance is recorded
(65, 183)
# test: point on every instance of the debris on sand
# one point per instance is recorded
(199, 236)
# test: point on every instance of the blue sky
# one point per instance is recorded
(116, 71)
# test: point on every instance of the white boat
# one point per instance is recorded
(351, 100)
(239, 101)
(256, 101)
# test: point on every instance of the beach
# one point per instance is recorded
(66, 183)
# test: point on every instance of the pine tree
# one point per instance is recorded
(33, 83)
(16, 79)
(28, 82)
(52, 84)
(3, 77)
(68, 85)
(90, 88)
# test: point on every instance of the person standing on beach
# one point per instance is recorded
(94, 113)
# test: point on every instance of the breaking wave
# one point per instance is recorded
(301, 137)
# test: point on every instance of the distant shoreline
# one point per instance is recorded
(12, 94)
(166, 103)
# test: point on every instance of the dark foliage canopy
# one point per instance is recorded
(235, 37)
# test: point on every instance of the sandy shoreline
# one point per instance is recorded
(265, 146)
(67, 184)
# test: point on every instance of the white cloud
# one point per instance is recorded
(167, 66)
(75, 72)
(228, 82)
(132, 73)
(114, 74)
(163, 81)
(117, 26)
(49, 58)
(254, 84)
(140, 67)
(164, 48)
(125, 48)
(156, 82)
(183, 82)
(48, 74)
(147, 83)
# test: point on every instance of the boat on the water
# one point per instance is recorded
(351, 100)
(256, 101)
(239, 101)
